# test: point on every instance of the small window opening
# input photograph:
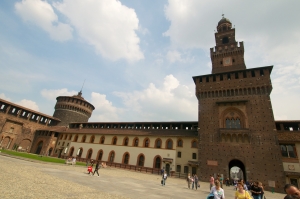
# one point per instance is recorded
(236, 75)
(253, 73)
(261, 72)
(207, 79)
(244, 74)
(228, 76)
(221, 77)
(214, 78)
(200, 79)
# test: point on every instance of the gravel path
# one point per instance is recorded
(34, 179)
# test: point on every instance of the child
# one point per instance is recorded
(90, 169)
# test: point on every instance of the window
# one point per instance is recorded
(65, 137)
(60, 136)
(158, 143)
(179, 154)
(169, 144)
(114, 141)
(11, 129)
(76, 138)
(158, 162)
(146, 144)
(89, 154)
(136, 142)
(186, 169)
(71, 151)
(111, 156)
(194, 156)
(179, 143)
(100, 154)
(126, 141)
(63, 144)
(178, 168)
(126, 158)
(79, 152)
(288, 150)
(83, 139)
(232, 123)
(194, 144)
(92, 139)
(70, 137)
(102, 139)
(141, 160)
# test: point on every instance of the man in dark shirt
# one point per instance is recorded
(256, 191)
(96, 169)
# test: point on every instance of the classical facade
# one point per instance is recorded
(236, 122)
(235, 127)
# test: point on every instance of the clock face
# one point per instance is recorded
(227, 61)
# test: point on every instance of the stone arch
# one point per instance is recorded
(239, 164)
(169, 144)
(79, 152)
(146, 142)
(25, 144)
(240, 138)
(234, 138)
(111, 156)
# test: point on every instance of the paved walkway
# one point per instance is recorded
(26, 179)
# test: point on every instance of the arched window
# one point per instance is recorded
(158, 143)
(179, 143)
(76, 138)
(141, 160)
(65, 137)
(71, 151)
(194, 144)
(157, 162)
(102, 139)
(114, 140)
(70, 137)
(125, 141)
(92, 139)
(89, 154)
(136, 142)
(79, 152)
(83, 138)
(126, 158)
(100, 154)
(61, 136)
(146, 142)
(111, 156)
(169, 144)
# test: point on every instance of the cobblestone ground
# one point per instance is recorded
(26, 179)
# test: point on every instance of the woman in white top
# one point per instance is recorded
(217, 191)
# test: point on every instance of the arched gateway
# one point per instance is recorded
(237, 174)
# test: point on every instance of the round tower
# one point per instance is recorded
(72, 109)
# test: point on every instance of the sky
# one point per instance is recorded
(137, 58)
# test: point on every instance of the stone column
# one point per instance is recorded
(7, 109)
(18, 115)
(29, 116)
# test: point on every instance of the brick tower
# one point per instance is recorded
(235, 118)
(72, 109)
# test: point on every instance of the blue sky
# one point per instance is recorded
(138, 57)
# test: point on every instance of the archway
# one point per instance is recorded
(50, 151)
(39, 147)
(25, 144)
(237, 170)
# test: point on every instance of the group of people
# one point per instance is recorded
(193, 180)
(97, 167)
(242, 189)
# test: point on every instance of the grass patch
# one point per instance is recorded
(38, 157)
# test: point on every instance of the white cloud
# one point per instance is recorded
(169, 102)
(175, 56)
(104, 110)
(3, 96)
(42, 14)
(28, 104)
(52, 94)
(107, 25)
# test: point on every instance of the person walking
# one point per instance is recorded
(262, 190)
(193, 181)
(211, 182)
(164, 178)
(189, 180)
(96, 169)
(90, 169)
(217, 191)
(256, 191)
(241, 193)
(196, 181)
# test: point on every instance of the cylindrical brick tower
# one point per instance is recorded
(72, 109)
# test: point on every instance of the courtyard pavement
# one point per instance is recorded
(31, 179)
